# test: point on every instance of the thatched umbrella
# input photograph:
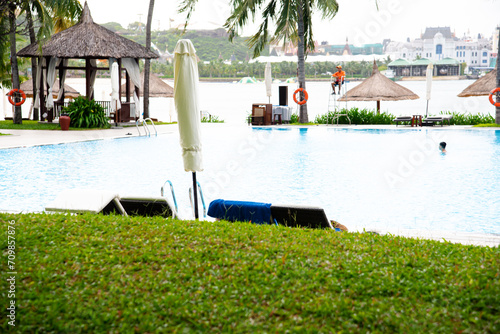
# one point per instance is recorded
(157, 87)
(69, 92)
(378, 88)
(481, 86)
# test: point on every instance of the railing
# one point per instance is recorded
(173, 193)
(58, 107)
(191, 199)
(144, 123)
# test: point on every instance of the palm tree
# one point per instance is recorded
(293, 20)
(147, 62)
(63, 12)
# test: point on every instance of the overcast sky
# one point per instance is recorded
(357, 20)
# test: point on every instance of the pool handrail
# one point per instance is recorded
(146, 130)
(172, 191)
(145, 122)
(200, 191)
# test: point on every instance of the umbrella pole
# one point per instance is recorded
(195, 190)
(427, 109)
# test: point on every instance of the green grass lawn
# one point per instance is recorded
(29, 125)
(113, 274)
(489, 125)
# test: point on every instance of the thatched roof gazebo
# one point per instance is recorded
(157, 87)
(89, 41)
(482, 86)
(378, 88)
(69, 92)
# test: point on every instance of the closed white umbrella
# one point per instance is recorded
(188, 114)
(428, 76)
(269, 80)
(115, 85)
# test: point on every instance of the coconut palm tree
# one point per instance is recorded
(49, 15)
(293, 22)
(147, 66)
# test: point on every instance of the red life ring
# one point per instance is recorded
(493, 92)
(306, 96)
(12, 92)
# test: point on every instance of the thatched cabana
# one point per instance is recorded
(89, 41)
(378, 88)
(69, 92)
(482, 86)
(157, 87)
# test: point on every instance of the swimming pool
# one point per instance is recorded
(373, 179)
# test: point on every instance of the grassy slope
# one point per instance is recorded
(118, 274)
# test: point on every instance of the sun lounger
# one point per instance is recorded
(147, 206)
(402, 119)
(81, 201)
(94, 201)
(266, 213)
(300, 216)
(431, 120)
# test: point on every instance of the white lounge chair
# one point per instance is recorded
(105, 202)
(84, 200)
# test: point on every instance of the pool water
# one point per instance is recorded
(372, 179)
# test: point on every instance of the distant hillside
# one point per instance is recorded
(209, 44)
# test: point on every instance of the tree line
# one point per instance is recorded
(281, 70)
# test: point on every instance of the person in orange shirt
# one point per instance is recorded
(338, 79)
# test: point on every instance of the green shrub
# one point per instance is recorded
(294, 118)
(357, 116)
(211, 119)
(86, 114)
(469, 119)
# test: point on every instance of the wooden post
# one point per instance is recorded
(88, 93)
(42, 92)
(378, 107)
(127, 87)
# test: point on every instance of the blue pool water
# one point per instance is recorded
(373, 179)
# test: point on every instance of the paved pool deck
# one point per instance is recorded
(28, 138)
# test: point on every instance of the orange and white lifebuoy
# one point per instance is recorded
(493, 92)
(306, 96)
(11, 94)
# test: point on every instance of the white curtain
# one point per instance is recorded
(51, 78)
(133, 71)
(41, 62)
(115, 82)
(62, 79)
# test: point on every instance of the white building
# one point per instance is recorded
(440, 43)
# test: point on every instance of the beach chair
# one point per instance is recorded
(431, 120)
(266, 213)
(300, 216)
(148, 207)
(105, 202)
(401, 119)
(82, 201)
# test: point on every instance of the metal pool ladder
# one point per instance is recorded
(201, 197)
(144, 123)
(173, 193)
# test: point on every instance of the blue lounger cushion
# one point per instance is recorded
(258, 213)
